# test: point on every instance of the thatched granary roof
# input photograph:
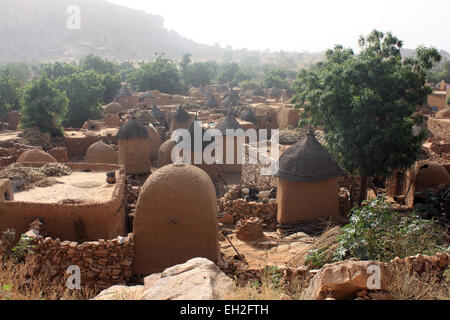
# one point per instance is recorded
(157, 113)
(193, 129)
(230, 123)
(212, 102)
(231, 99)
(307, 161)
(132, 129)
(249, 116)
(181, 115)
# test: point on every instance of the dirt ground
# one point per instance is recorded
(84, 186)
(271, 250)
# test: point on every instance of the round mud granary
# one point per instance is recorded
(165, 153)
(307, 182)
(36, 155)
(429, 175)
(100, 152)
(113, 108)
(181, 119)
(175, 219)
(134, 151)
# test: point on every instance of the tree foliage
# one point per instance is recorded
(161, 75)
(10, 93)
(85, 91)
(43, 106)
(366, 103)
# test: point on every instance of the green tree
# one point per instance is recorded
(112, 85)
(85, 92)
(10, 93)
(228, 72)
(43, 106)
(275, 78)
(441, 72)
(161, 75)
(198, 74)
(98, 64)
(58, 70)
(366, 103)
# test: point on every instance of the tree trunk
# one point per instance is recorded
(363, 191)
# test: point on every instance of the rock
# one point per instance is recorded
(380, 296)
(342, 280)
(121, 293)
(151, 280)
(197, 279)
(249, 230)
(227, 219)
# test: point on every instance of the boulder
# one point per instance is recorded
(343, 280)
(121, 293)
(197, 279)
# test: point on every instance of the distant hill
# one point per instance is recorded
(37, 30)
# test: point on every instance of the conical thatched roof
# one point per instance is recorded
(222, 88)
(212, 102)
(181, 115)
(231, 99)
(249, 116)
(307, 161)
(229, 122)
(275, 92)
(157, 113)
(195, 126)
(132, 129)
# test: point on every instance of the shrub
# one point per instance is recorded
(376, 232)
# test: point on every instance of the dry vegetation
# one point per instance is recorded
(271, 287)
(408, 285)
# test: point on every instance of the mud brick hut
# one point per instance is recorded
(175, 219)
(165, 153)
(233, 144)
(100, 152)
(307, 182)
(134, 151)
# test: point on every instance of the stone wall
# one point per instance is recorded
(102, 263)
(439, 127)
(240, 209)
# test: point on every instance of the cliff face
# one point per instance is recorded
(37, 29)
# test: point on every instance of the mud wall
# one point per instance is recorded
(77, 146)
(74, 222)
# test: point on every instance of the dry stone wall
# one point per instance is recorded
(240, 209)
(102, 263)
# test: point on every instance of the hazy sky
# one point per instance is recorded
(301, 25)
